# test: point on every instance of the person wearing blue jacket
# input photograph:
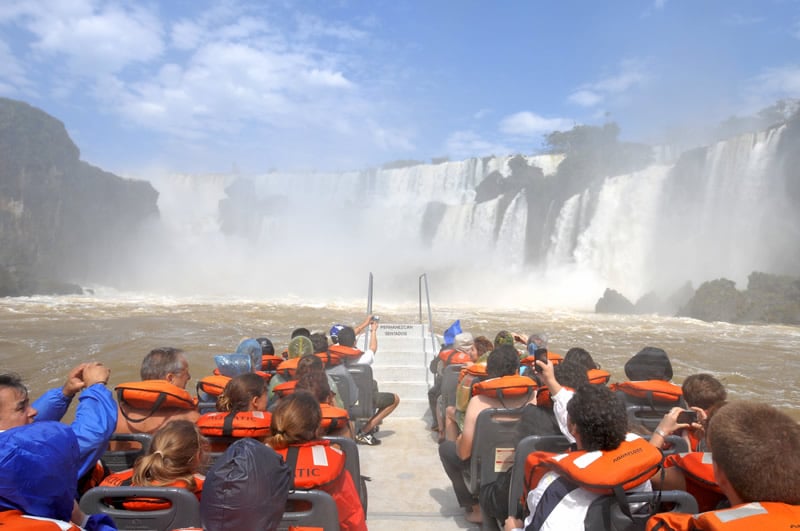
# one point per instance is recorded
(95, 417)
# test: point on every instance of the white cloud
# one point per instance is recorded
(92, 40)
(465, 144)
(530, 124)
(632, 73)
(585, 98)
(482, 113)
(776, 83)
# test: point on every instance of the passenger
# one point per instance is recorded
(295, 423)
(37, 457)
(384, 403)
(339, 378)
(95, 417)
(649, 373)
(455, 454)
(246, 488)
(598, 422)
(483, 345)
(561, 381)
(692, 472)
(244, 397)
(299, 347)
(756, 459)
(163, 369)
(176, 456)
(335, 420)
(463, 352)
(581, 356)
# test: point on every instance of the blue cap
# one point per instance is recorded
(335, 329)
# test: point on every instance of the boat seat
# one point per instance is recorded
(184, 511)
(322, 513)
(352, 464)
(119, 460)
(527, 445)
(364, 407)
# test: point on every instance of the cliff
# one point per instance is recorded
(62, 220)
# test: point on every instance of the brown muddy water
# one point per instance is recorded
(42, 337)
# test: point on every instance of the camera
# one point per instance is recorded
(376, 318)
(687, 416)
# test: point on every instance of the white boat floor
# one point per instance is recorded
(408, 487)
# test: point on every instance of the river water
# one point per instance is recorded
(42, 337)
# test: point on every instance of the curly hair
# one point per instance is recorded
(240, 391)
(570, 374)
(758, 449)
(599, 417)
(483, 345)
(295, 420)
(309, 364)
(177, 452)
(317, 384)
(502, 361)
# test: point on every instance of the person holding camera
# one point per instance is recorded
(384, 403)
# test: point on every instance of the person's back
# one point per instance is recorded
(175, 459)
(246, 488)
(317, 465)
(756, 459)
(163, 370)
(564, 486)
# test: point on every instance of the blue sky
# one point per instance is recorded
(212, 86)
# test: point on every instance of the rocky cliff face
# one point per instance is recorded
(61, 219)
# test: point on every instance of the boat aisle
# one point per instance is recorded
(408, 486)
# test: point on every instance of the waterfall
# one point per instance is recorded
(715, 212)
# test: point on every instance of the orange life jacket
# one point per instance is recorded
(213, 385)
(598, 376)
(142, 503)
(543, 397)
(745, 517)
(698, 473)
(269, 362)
(510, 386)
(152, 395)
(284, 389)
(333, 418)
(329, 359)
(13, 519)
(288, 368)
(348, 354)
(529, 361)
(603, 472)
(452, 356)
(654, 390)
(315, 463)
(242, 424)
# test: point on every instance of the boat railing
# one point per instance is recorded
(427, 341)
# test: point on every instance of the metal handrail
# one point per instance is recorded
(423, 280)
(369, 311)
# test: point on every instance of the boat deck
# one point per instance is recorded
(409, 489)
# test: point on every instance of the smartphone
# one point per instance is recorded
(540, 354)
(687, 416)
(376, 318)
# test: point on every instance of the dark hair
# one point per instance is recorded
(502, 361)
(320, 342)
(300, 332)
(308, 364)
(13, 381)
(240, 391)
(347, 336)
(599, 417)
(758, 448)
(703, 391)
(650, 363)
(570, 374)
(317, 384)
(159, 362)
(581, 356)
(267, 348)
